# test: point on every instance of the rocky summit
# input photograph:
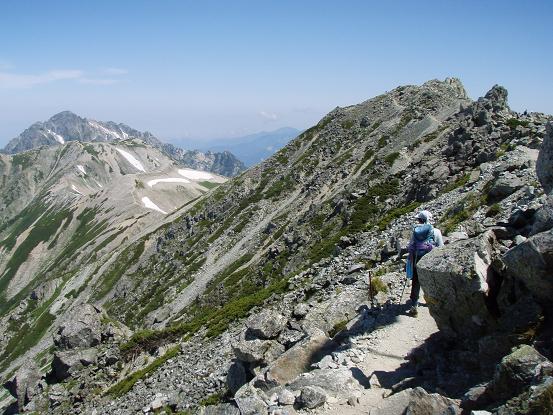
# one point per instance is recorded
(282, 290)
(67, 126)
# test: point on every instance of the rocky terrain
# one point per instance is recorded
(67, 126)
(282, 290)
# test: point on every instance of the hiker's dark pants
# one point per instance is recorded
(415, 285)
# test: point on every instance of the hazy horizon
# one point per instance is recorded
(213, 70)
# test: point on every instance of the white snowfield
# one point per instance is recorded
(131, 159)
(151, 205)
(195, 174)
(105, 130)
(153, 182)
(58, 137)
(74, 188)
(81, 169)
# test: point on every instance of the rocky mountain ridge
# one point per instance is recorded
(266, 271)
(67, 126)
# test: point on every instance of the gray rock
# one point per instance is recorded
(258, 351)
(312, 397)
(67, 363)
(543, 218)
(45, 290)
(266, 325)
(24, 384)
(298, 359)
(336, 382)
(455, 282)
(285, 397)
(290, 337)
(251, 405)
(83, 329)
(544, 165)
(517, 371)
(505, 185)
(301, 310)
(220, 409)
(417, 402)
(532, 263)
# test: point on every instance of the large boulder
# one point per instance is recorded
(456, 281)
(299, 358)
(417, 402)
(544, 165)
(543, 218)
(532, 263)
(517, 371)
(266, 325)
(83, 329)
(24, 384)
(67, 363)
(257, 351)
(505, 185)
(312, 397)
(335, 382)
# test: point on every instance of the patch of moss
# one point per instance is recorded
(209, 185)
(126, 384)
(337, 328)
(461, 181)
(515, 122)
(347, 124)
(396, 213)
(378, 286)
(390, 158)
(213, 399)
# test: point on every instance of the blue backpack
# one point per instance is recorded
(421, 244)
(423, 240)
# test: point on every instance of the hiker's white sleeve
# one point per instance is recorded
(438, 237)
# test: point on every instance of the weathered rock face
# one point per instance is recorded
(545, 160)
(532, 263)
(517, 371)
(65, 364)
(456, 282)
(417, 402)
(266, 325)
(24, 384)
(84, 329)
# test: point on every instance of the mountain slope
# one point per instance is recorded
(66, 126)
(287, 233)
(66, 211)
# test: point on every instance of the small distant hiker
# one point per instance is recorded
(423, 239)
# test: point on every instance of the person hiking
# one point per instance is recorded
(423, 239)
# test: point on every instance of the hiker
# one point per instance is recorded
(424, 238)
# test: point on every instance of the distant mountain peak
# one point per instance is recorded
(66, 126)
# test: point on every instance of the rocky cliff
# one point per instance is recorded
(255, 297)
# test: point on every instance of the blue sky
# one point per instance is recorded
(214, 69)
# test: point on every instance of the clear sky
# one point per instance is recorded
(205, 69)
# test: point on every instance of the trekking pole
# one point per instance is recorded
(403, 290)
(370, 287)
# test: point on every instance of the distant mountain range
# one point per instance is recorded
(67, 126)
(252, 148)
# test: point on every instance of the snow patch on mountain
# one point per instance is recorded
(151, 205)
(195, 174)
(153, 182)
(74, 188)
(57, 137)
(131, 159)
